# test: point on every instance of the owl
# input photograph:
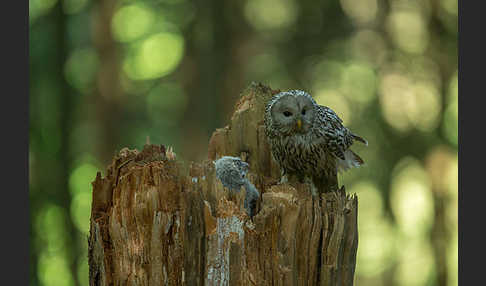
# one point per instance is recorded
(231, 171)
(308, 140)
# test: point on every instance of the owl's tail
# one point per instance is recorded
(360, 139)
(351, 159)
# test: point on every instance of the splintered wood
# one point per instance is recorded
(158, 221)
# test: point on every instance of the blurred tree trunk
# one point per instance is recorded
(205, 55)
(65, 98)
(107, 94)
(155, 221)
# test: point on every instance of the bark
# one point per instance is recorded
(158, 221)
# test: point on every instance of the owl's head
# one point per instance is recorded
(291, 112)
(231, 171)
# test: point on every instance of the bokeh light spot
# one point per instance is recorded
(81, 178)
(408, 30)
(452, 220)
(425, 115)
(53, 270)
(376, 240)
(411, 198)
(451, 177)
(81, 211)
(453, 257)
(369, 46)
(439, 164)
(449, 5)
(406, 103)
(395, 95)
(83, 271)
(50, 228)
(370, 200)
(359, 83)
(416, 263)
(80, 68)
(363, 11)
(131, 21)
(424, 69)
(271, 14)
(155, 57)
(451, 113)
(326, 74)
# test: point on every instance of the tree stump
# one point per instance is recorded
(158, 221)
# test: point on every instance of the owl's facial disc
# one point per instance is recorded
(293, 115)
(284, 115)
(306, 114)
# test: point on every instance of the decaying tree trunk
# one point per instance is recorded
(157, 221)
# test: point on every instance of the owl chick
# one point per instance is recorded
(231, 171)
(308, 140)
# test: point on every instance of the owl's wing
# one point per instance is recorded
(329, 113)
(336, 136)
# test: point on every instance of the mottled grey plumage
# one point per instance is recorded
(251, 198)
(317, 147)
(231, 171)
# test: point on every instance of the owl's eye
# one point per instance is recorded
(303, 111)
(287, 113)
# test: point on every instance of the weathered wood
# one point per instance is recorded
(157, 221)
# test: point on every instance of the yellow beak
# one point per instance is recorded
(299, 124)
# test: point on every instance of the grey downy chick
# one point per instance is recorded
(231, 171)
(251, 198)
